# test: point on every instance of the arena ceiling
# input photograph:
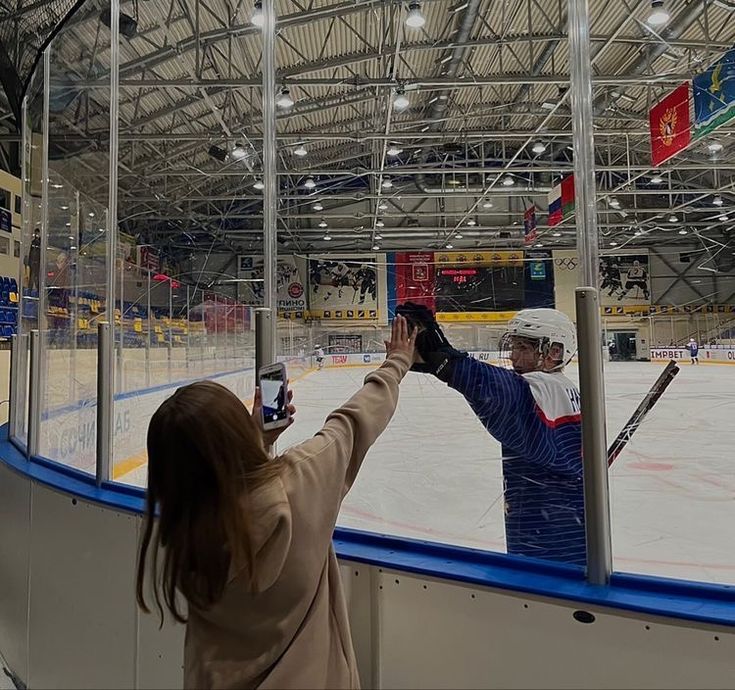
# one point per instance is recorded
(488, 105)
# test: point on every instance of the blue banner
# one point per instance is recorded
(714, 95)
(6, 220)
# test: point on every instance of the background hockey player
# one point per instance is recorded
(534, 411)
(319, 354)
(693, 348)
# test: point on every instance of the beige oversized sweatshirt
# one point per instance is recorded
(293, 631)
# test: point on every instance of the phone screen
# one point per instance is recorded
(273, 391)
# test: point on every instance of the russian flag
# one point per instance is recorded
(555, 208)
(567, 196)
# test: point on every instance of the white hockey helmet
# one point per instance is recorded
(549, 327)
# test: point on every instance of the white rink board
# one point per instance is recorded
(435, 473)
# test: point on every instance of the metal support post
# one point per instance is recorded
(13, 387)
(149, 333)
(597, 500)
(270, 180)
(104, 403)
(170, 326)
(35, 395)
(188, 326)
(264, 353)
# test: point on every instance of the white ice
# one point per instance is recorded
(435, 473)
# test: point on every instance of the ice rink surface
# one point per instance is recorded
(436, 474)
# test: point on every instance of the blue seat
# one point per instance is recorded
(13, 285)
(7, 331)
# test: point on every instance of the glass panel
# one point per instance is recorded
(76, 257)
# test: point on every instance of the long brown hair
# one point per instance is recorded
(205, 454)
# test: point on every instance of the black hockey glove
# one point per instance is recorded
(438, 354)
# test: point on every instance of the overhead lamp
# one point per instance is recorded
(683, 231)
(257, 18)
(717, 201)
(72, 248)
(714, 146)
(637, 233)
(415, 18)
(394, 150)
(379, 223)
(657, 179)
(673, 218)
(614, 203)
(322, 223)
(327, 237)
(487, 204)
(508, 181)
(556, 234)
(387, 183)
(458, 236)
(318, 206)
(723, 217)
(400, 100)
(64, 207)
(259, 185)
(449, 245)
(376, 247)
(659, 14)
(454, 182)
(613, 243)
(378, 236)
(538, 147)
(300, 151)
(284, 99)
(238, 152)
(471, 222)
(310, 184)
(91, 214)
(382, 206)
(538, 244)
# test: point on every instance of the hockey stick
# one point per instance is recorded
(656, 391)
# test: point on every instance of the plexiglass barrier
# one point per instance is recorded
(439, 472)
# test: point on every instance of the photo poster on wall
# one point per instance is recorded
(346, 286)
(624, 277)
(290, 281)
(479, 281)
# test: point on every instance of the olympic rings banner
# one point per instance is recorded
(624, 278)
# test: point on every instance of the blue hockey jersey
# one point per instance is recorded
(536, 418)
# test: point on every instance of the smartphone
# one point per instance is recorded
(273, 384)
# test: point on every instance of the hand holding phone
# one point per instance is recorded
(275, 411)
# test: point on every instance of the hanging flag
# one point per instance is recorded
(529, 225)
(714, 95)
(555, 212)
(567, 196)
(669, 125)
(561, 201)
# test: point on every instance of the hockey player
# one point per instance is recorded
(637, 277)
(534, 411)
(319, 354)
(693, 348)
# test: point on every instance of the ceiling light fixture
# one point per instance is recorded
(300, 150)
(614, 203)
(449, 245)
(717, 201)
(327, 237)
(238, 152)
(539, 147)
(657, 179)
(659, 14)
(376, 247)
(458, 236)
(322, 223)
(387, 183)
(310, 184)
(284, 99)
(673, 218)
(400, 100)
(257, 18)
(613, 243)
(318, 206)
(556, 234)
(508, 181)
(382, 206)
(487, 204)
(394, 150)
(259, 185)
(714, 146)
(378, 236)
(683, 231)
(471, 222)
(415, 18)
(379, 223)
(723, 217)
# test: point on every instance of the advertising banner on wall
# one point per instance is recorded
(291, 286)
(343, 287)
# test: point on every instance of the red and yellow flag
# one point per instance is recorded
(670, 125)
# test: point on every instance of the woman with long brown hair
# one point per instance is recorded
(246, 539)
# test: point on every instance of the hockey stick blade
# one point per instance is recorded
(652, 397)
